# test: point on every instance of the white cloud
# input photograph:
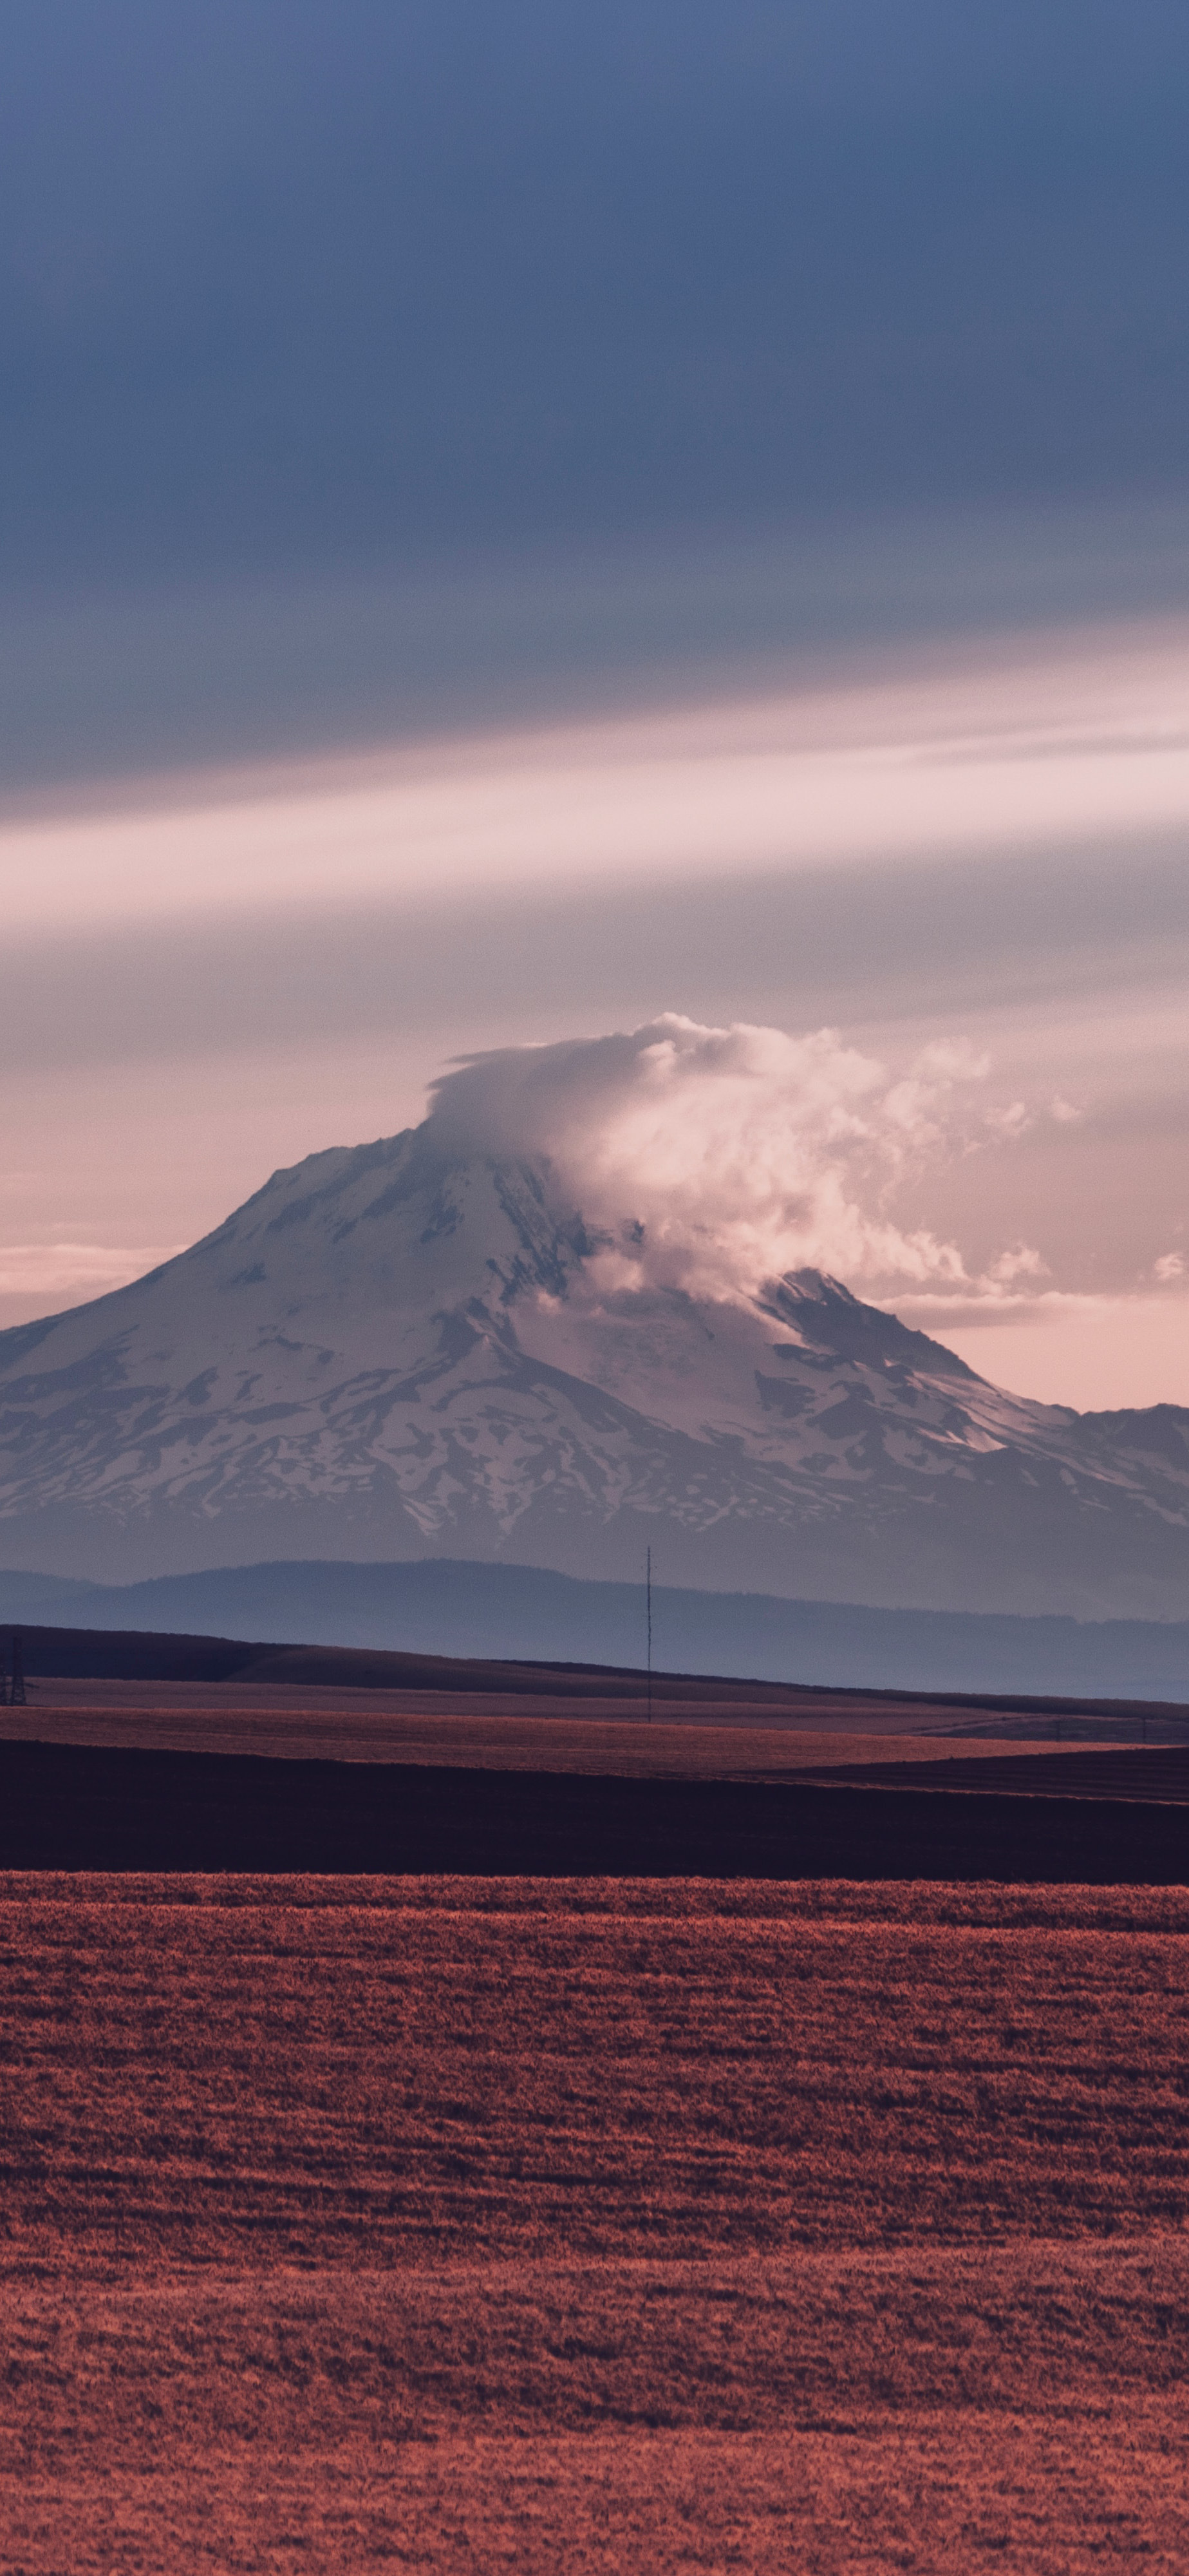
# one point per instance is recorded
(1012, 1121)
(992, 1300)
(1022, 1263)
(69, 1270)
(1170, 1267)
(1022, 742)
(718, 1158)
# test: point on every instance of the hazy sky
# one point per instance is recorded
(513, 523)
(289, 285)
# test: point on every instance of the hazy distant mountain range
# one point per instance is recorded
(451, 1606)
(392, 1353)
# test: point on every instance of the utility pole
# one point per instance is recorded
(648, 1600)
(18, 1672)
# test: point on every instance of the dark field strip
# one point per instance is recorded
(89, 1807)
(1158, 1774)
(143, 1657)
(469, 2224)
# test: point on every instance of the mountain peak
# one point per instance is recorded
(402, 1349)
(826, 1314)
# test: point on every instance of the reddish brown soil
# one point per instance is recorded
(585, 2225)
(742, 1725)
(464, 1740)
(701, 1739)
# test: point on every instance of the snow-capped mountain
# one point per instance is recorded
(391, 1351)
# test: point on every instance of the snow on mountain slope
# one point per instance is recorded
(391, 1351)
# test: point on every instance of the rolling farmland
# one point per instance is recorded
(538, 2223)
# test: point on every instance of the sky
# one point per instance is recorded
(514, 524)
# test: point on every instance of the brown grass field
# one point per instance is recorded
(559, 2225)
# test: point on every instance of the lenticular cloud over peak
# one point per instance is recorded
(718, 1158)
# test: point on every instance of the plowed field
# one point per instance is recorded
(592, 2224)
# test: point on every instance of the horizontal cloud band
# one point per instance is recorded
(1085, 737)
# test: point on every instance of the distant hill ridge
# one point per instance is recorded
(524, 1615)
(112, 1654)
(128, 1654)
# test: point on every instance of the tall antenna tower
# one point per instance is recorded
(648, 1601)
(18, 1672)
